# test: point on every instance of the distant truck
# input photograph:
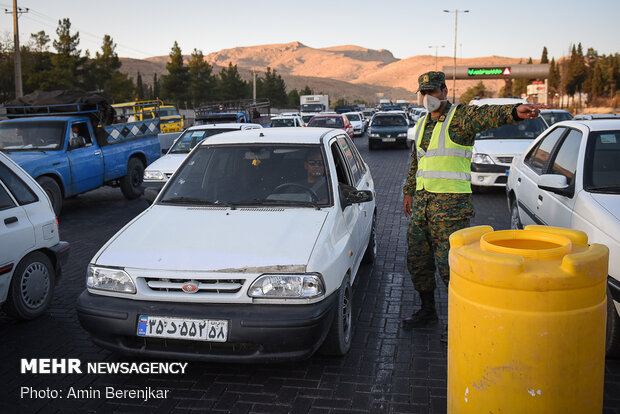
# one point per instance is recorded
(311, 105)
(77, 144)
(169, 118)
(235, 111)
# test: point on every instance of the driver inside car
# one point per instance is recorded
(315, 175)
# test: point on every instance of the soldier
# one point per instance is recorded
(437, 193)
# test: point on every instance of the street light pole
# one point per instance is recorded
(456, 18)
(436, 48)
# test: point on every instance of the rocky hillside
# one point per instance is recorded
(348, 71)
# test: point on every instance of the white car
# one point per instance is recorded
(158, 173)
(249, 253)
(31, 253)
(495, 149)
(287, 121)
(357, 122)
(570, 177)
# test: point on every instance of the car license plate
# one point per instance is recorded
(389, 139)
(181, 328)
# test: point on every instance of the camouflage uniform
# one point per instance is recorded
(437, 215)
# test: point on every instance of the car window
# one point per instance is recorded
(529, 128)
(395, 120)
(189, 139)
(6, 201)
(32, 135)
(251, 174)
(82, 131)
(327, 122)
(539, 155)
(22, 193)
(565, 161)
(276, 123)
(347, 149)
(602, 170)
(342, 171)
(353, 117)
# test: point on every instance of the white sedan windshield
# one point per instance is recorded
(252, 175)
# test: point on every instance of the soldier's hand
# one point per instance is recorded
(529, 111)
(407, 205)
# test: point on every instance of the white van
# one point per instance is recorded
(495, 149)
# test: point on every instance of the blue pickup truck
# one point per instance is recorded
(69, 149)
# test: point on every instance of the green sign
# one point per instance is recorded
(488, 71)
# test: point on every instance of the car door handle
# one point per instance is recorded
(98, 152)
(540, 197)
(519, 179)
(10, 220)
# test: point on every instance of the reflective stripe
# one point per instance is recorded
(449, 152)
(448, 175)
(421, 153)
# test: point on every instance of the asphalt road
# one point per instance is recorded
(388, 370)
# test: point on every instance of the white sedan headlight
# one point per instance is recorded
(104, 278)
(154, 175)
(287, 286)
(481, 159)
(374, 135)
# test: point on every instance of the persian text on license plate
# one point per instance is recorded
(389, 139)
(181, 328)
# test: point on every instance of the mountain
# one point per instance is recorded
(348, 71)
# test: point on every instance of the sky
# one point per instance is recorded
(145, 28)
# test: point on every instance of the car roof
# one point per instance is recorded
(227, 125)
(592, 124)
(286, 135)
(391, 113)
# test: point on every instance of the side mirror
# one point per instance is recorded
(150, 194)
(350, 195)
(556, 184)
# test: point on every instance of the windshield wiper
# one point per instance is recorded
(290, 203)
(194, 200)
(602, 188)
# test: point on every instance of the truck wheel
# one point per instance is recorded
(371, 250)
(338, 340)
(612, 344)
(131, 184)
(53, 192)
(32, 287)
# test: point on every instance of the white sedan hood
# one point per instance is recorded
(502, 146)
(219, 240)
(169, 163)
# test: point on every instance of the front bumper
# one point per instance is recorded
(491, 175)
(257, 332)
(157, 185)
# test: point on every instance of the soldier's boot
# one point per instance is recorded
(426, 315)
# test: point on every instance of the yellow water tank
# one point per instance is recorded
(526, 321)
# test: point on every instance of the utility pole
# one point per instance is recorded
(19, 91)
(254, 85)
(436, 48)
(456, 17)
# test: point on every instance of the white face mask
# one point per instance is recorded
(431, 103)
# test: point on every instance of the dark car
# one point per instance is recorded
(387, 128)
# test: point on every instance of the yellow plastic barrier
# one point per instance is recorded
(526, 321)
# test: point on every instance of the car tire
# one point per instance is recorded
(612, 343)
(51, 188)
(32, 287)
(338, 340)
(131, 184)
(371, 250)
(515, 221)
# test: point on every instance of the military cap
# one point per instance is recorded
(430, 81)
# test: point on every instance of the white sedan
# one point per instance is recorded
(248, 253)
(570, 177)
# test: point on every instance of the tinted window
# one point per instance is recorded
(326, 122)
(602, 171)
(539, 155)
(32, 135)
(276, 123)
(353, 117)
(22, 193)
(529, 128)
(391, 120)
(554, 117)
(5, 199)
(189, 139)
(565, 162)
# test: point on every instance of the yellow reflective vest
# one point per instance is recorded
(445, 167)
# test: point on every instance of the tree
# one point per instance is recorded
(156, 89)
(66, 63)
(544, 58)
(272, 86)
(293, 99)
(39, 42)
(202, 80)
(175, 85)
(36, 61)
(230, 85)
(306, 91)
(140, 91)
(478, 91)
(103, 73)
